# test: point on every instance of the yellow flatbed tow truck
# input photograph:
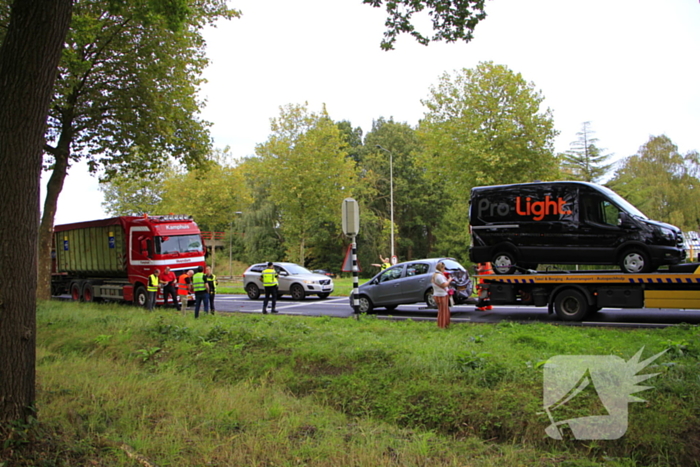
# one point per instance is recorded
(575, 295)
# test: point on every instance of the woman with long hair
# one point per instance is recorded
(440, 295)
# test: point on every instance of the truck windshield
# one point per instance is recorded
(622, 203)
(178, 244)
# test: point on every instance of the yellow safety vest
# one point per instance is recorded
(153, 283)
(269, 277)
(198, 284)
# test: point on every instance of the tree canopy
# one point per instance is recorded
(662, 182)
(485, 126)
(303, 170)
(452, 20)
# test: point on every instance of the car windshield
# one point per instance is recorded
(178, 244)
(294, 269)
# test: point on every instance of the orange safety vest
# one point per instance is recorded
(483, 269)
(183, 287)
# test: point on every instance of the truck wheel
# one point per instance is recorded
(429, 299)
(503, 263)
(140, 296)
(253, 291)
(75, 291)
(571, 305)
(88, 292)
(297, 292)
(635, 261)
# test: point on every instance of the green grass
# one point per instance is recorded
(252, 390)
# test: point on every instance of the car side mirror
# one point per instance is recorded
(623, 220)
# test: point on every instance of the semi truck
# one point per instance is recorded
(111, 259)
(574, 295)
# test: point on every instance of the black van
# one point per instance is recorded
(520, 226)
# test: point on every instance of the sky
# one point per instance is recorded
(629, 67)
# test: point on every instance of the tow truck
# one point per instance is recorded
(574, 295)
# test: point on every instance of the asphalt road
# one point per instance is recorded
(340, 307)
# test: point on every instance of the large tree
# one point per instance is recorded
(303, 170)
(662, 182)
(30, 52)
(125, 98)
(584, 160)
(486, 126)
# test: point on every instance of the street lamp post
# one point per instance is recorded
(391, 195)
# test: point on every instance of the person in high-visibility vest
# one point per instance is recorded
(201, 291)
(210, 278)
(385, 263)
(269, 280)
(484, 303)
(184, 289)
(152, 289)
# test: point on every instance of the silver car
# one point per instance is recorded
(293, 279)
(410, 282)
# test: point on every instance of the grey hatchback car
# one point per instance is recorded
(410, 282)
(293, 279)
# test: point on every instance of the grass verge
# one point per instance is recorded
(120, 387)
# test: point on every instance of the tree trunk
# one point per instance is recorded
(53, 190)
(29, 57)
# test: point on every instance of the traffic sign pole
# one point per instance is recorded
(351, 227)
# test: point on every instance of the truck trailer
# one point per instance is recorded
(575, 295)
(111, 259)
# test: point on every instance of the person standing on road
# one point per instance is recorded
(201, 292)
(212, 283)
(167, 281)
(152, 289)
(269, 280)
(440, 295)
(184, 289)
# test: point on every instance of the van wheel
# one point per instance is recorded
(571, 305)
(503, 263)
(635, 261)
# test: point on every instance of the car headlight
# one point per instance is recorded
(308, 281)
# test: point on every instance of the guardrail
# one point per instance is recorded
(213, 235)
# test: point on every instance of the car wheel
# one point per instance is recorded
(252, 290)
(323, 295)
(365, 304)
(429, 299)
(635, 261)
(503, 263)
(297, 292)
(571, 305)
(140, 296)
